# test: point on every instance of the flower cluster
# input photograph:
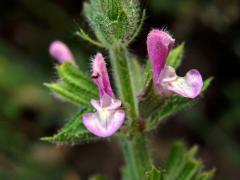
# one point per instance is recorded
(109, 115)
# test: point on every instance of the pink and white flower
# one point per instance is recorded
(159, 44)
(109, 115)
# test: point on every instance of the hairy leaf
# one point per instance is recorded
(114, 20)
(73, 132)
(170, 106)
(74, 85)
(175, 57)
(69, 93)
(182, 165)
(82, 34)
(74, 77)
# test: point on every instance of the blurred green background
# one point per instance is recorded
(211, 31)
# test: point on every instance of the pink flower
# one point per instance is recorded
(109, 116)
(100, 76)
(61, 52)
(159, 44)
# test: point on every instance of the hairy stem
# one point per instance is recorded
(136, 157)
(134, 148)
(124, 81)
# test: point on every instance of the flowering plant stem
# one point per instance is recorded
(143, 99)
(124, 80)
(134, 145)
(136, 156)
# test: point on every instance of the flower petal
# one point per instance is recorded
(104, 123)
(100, 75)
(61, 52)
(106, 102)
(189, 86)
(167, 75)
(159, 43)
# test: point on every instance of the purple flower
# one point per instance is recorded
(109, 116)
(61, 52)
(159, 44)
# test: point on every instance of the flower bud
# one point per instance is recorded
(61, 52)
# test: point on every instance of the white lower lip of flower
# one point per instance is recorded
(104, 118)
(104, 122)
(104, 114)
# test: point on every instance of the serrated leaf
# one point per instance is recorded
(175, 56)
(154, 174)
(189, 170)
(73, 132)
(183, 165)
(172, 105)
(74, 77)
(174, 160)
(69, 93)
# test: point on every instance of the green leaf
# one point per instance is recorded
(206, 175)
(69, 93)
(73, 132)
(170, 106)
(174, 160)
(183, 165)
(154, 174)
(175, 57)
(113, 20)
(74, 77)
(139, 26)
(189, 170)
(207, 83)
(148, 73)
(113, 8)
(74, 85)
(82, 34)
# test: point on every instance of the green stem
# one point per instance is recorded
(135, 149)
(124, 81)
(136, 157)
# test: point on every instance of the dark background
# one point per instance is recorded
(211, 32)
